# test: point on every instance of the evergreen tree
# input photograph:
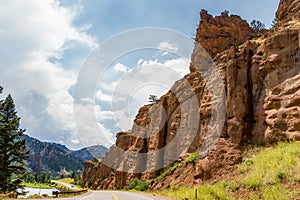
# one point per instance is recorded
(257, 25)
(152, 98)
(274, 24)
(13, 151)
(73, 175)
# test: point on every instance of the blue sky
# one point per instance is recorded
(44, 44)
(111, 17)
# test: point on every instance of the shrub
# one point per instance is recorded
(137, 184)
(169, 170)
(274, 24)
(257, 25)
(193, 158)
(90, 184)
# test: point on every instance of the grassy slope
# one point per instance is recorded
(266, 173)
(38, 185)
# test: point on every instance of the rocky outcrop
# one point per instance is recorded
(275, 88)
(256, 80)
(218, 164)
(288, 10)
(35, 162)
(261, 83)
(88, 175)
(217, 34)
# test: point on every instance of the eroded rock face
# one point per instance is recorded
(288, 10)
(218, 163)
(217, 34)
(88, 175)
(261, 80)
(275, 75)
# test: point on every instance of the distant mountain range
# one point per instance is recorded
(56, 159)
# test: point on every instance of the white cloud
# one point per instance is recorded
(103, 97)
(123, 120)
(167, 46)
(31, 34)
(121, 68)
(91, 132)
(132, 90)
(140, 61)
(108, 86)
(88, 100)
(35, 37)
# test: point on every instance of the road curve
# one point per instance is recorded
(71, 186)
(113, 195)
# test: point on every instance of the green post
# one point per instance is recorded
(196, 194)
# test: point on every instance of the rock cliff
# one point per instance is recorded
(260, 76)
(289, 10)
(217, 34)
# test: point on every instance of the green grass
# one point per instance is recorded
(193, 158)
(66, 180)
(167, 171)
(272, 165)
(38, 185)
(204, 192)
(274, 192)
(265, 173)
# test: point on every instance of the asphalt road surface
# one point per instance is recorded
(113, 195)
(66, 184)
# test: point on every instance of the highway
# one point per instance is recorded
(65, 184)
(113, 195)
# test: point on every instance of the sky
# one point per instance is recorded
(49, 58)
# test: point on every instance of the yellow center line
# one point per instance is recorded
(115, 196)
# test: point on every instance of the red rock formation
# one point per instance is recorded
(217, 34)
(88, 175)
(288, 10)
(218, 163)
(261, 79)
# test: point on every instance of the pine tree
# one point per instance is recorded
(257, 25)
(274, 24)
(152, 98)
(13, 151)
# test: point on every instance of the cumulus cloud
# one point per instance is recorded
(91, 132)
(131, 91)
(167, 46)
(35, 38)
(32, 34)
(103, 97)
(121, 68)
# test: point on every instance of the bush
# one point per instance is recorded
(274, 24)
(90, 184)
(137, 184)
(257, 25)
(167, 171)
(193, 158)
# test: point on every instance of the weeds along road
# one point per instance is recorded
(113, 195)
